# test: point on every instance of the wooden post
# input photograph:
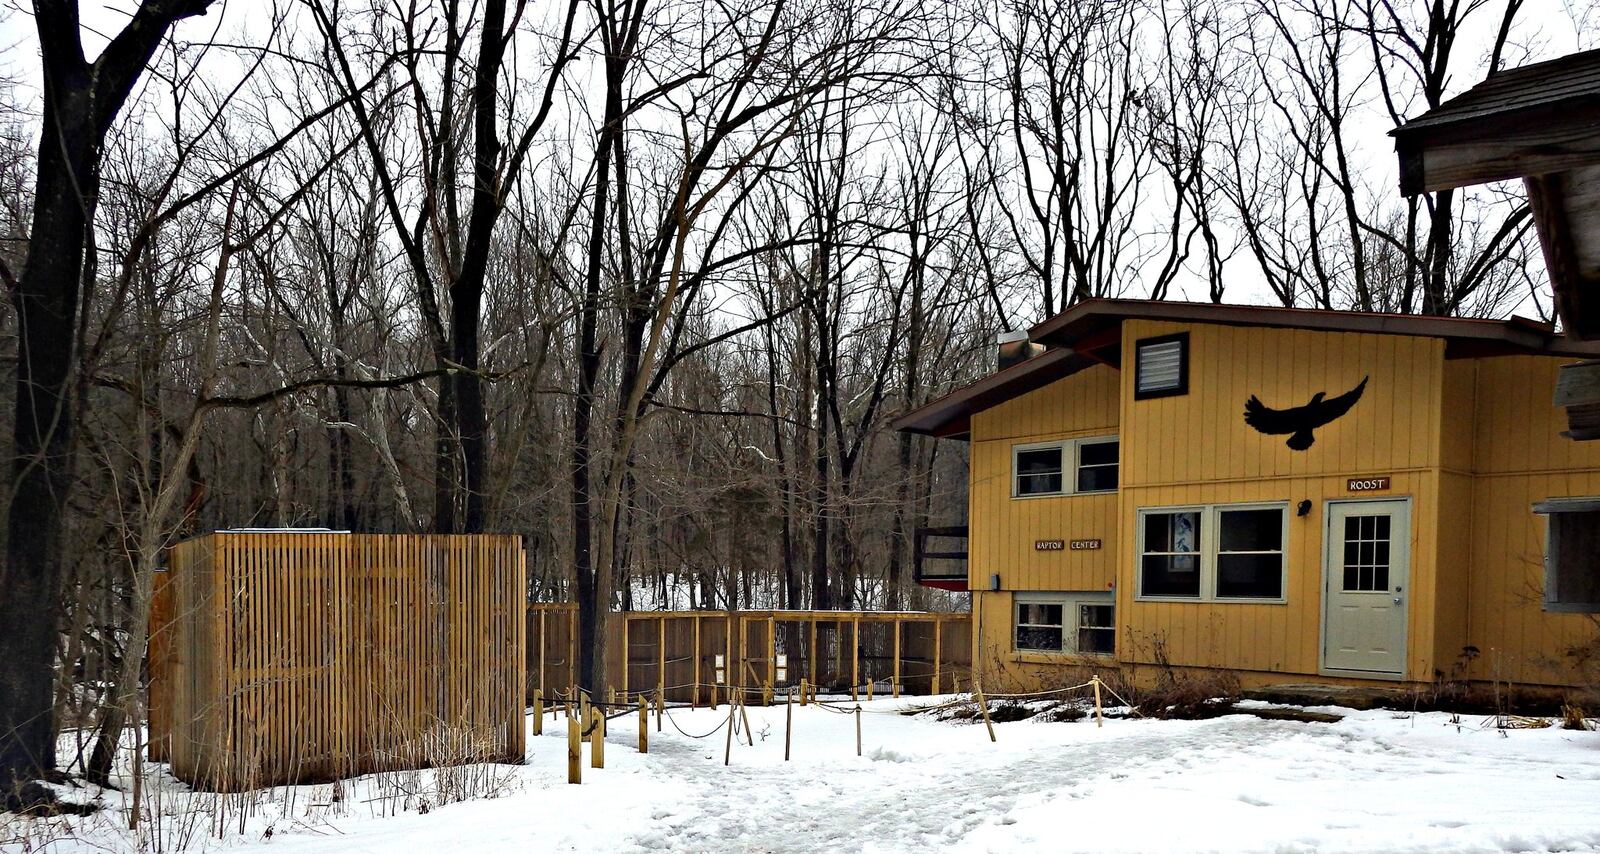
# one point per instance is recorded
(574, 751)
(858, 729)
(541, 649)
(661, 663)
(1099, 715)
(938, 641)
(803, 688)
(744, 652)
(661, 709)
(538, 712)
(855, 656)
(788, 720)
(727, 660)
(811, 654)
(627, 656)
(694, 698)
(597, 738)
(727, 744)
(745, 716)
(772, 657)
(869, 688)
(644, 725)
(983, 705)
(894, 683)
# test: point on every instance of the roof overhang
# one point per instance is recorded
(1540, 123)
(1090, 333)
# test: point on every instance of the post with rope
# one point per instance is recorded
(597, 738)
(858, 729)
(727, 743)
(538, 712)
(749, 737)
(574, 751)
(661, 707)
(803, 685)
(1099, 714)
(644, 725)
(788, 720)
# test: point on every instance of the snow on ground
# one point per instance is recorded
(1377, 781)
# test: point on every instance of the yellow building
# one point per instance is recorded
(1290, 495)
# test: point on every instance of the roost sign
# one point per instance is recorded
(1367, 484)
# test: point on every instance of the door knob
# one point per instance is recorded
(1397, 600)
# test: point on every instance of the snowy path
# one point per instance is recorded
(1377, 781)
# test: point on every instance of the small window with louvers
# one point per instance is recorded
(1162, 368)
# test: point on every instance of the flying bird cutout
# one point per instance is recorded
(1301, 420)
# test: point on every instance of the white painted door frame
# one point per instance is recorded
(1386, 612)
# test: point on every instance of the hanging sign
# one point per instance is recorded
(1367, 484)
(721, 678)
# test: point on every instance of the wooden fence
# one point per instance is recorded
(677, 652)
(285, 657)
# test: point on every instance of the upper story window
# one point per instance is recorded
(1227, 552)
(1571, 554)
(1066, 467)
(1161, 366)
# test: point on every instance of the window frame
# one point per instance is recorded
(1210, 548)
(1070, 601)
(1553, 509)
(1182, 388)
(1071, 461)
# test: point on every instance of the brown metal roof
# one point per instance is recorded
(1541, 85)
(1089, 334)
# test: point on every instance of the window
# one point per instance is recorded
(1080, 622)
(1571, 554)
(1228, 552)
(1067, 467)
(1097, 466)
(1161, 366)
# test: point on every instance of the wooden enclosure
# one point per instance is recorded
(288, 656)
(676, 652)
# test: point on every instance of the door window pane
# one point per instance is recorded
(1366, 553)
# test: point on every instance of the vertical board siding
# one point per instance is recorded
(1196, 449)
(295, 656)
(1473, 443)
(1002, 530)
(1519, 459)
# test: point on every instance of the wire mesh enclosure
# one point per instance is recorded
(289, 657)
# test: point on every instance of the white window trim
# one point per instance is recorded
(1070, 461)
(1210, 547)
(1069, 602)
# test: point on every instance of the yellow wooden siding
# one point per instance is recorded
(1201, 436)
(1196, 449)
(1003, 529)
(1472, 443)
(1521, 458)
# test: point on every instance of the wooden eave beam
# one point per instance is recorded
(1547, 198)
(1513, 144)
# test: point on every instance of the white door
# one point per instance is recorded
(1365, 587)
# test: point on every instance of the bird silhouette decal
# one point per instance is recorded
(1301, 420)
